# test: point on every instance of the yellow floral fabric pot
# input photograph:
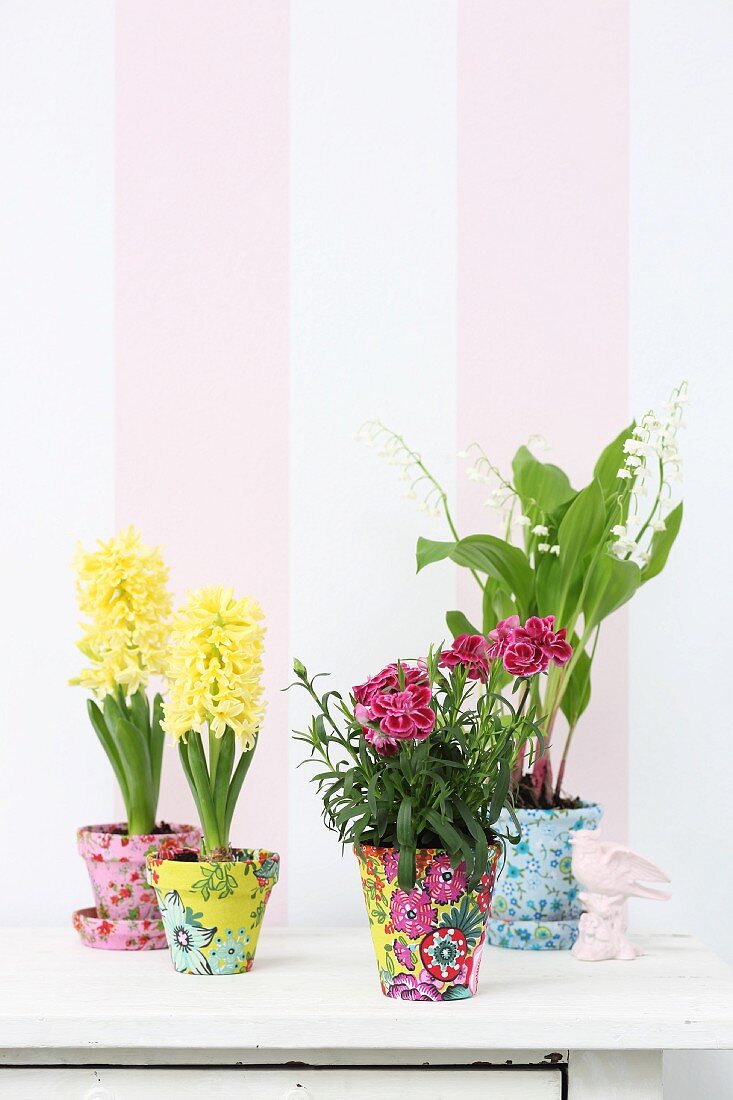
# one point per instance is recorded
(428, 941)
(212, 912)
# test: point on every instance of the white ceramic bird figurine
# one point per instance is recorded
(607, 868)
(611, 873)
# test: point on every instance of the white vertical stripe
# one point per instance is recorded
(373, 171)
(56, 442)
(682, 327)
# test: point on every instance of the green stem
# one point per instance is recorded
(200, 774)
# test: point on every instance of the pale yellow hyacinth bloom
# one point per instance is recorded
(215, 666)
(122, 590)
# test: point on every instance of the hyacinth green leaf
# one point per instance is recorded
(540, 483)
(429, 551)
(661, 544)
(157, 741)
(235, 786)
(611, 584)
(458, 624)
(579, 533)
(107, 742)
(611, 461)
(139, 711)
(577, 687)
(134, 752)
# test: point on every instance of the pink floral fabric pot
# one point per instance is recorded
(429, 941)
(116, 866)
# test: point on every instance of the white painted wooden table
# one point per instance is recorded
(309, 1021)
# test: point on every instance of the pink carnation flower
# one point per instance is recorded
(501, 636)
(472, 652)
(412, 913)
(529, 649)
(404, 715)
(388, 681)
(443, 882)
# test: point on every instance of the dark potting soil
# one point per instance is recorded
(159, 830)
(526, 798)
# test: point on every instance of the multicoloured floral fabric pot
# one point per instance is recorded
(213, 912)
(536, 905)
(116, 866)
(428, 941)
(118, 935)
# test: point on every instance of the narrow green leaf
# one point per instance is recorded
(406, 871)
(223, 775)
(157, 742)
(108, 744)
(235, 787)
(404, 823)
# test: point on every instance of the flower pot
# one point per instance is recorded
(213, 912)
(116, 866)
(428, 942)
(536, 905)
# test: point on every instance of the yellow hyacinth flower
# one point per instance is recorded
(122, 590)
(215, 666)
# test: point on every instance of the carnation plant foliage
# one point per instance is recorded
(580, 553)
(421, 755)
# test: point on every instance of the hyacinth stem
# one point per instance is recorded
(215, 786)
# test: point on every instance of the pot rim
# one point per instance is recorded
(107, 828)
(533, 811)
(437, 851)
(263, 855)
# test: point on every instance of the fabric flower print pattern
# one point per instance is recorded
(444, 882)
(185, 935)
(412, 913)
(440, 925)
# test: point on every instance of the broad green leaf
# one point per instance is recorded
(547, 585)
(581, 530)
(459, 624)
(577, 689)
(507, 564)
(611, 460)
(406, 868)
(661, 545)
(429, 551)
(612, 582)
(540, 482)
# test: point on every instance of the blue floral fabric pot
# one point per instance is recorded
(535, 905)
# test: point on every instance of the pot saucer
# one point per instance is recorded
(118, 934)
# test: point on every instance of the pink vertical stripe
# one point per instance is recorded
(202, 328)
(542, 278)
